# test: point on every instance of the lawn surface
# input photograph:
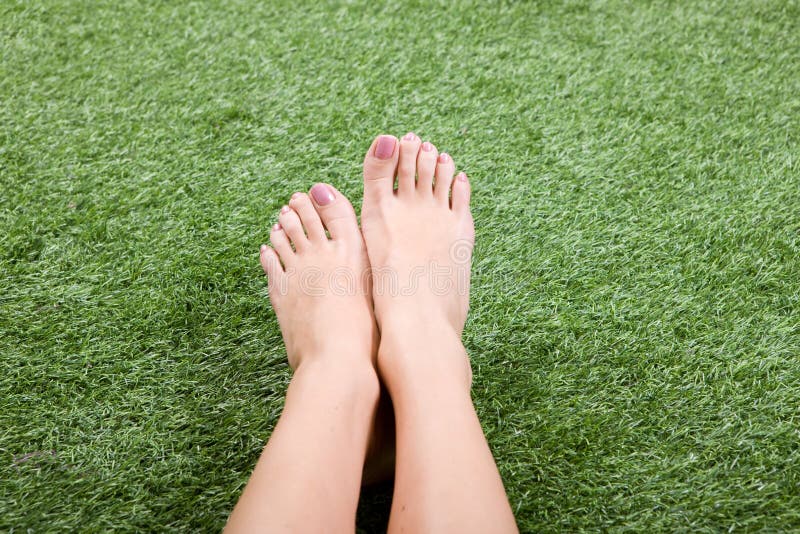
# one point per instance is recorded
(635, 331)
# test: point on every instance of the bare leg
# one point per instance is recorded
(422, 235)
(309, 475)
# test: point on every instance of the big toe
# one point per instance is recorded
(335, 210)
(380, 166)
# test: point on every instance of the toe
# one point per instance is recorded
(444, 178)
(426, 165)
(380, 165)
(335, 211)
(281, 243)
(459, 197)
(309, 217)
(290, 222)
(271, 263)
(407, 164)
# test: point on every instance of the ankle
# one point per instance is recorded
(431, 356)
(344, 349)
(339, 378)
(416, 324)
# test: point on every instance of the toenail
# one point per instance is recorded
(323, 195)
(276, 227)
(385, 147)
(462, 177)
(410, 136)
(285, 209)
(444, 157)
(427, 147)
(296, 195)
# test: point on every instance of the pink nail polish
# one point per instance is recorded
(263, 248)
(410, 136)
(462, 177)
(444, 157)
(322, 194)
(427, 147)
(296, 195)
(285, 209)
(384, 148)
(276, 227)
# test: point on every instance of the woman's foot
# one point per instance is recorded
(317, 284)
(419, 238)
(320, 290)
(322, 299)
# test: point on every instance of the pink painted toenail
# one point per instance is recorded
(285, 209)
(384, 147)
(277, 227)
(461, 177)
(410, 136)
(444, 157)
(296, 195)
(323, 195)
(263, 248)
(427, 147)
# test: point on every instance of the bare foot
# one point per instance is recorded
(419, 239)
(316, 283)
(420, 236)
(320, 290)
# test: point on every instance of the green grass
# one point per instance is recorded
(635, 331)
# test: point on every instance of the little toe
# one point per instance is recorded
(459, 196)
(270, 262)
(407, 164)
(301, 203)
(444, 178)
(336, 212)
(426, 166)
(380, 165)
(281, 244)
(291, 224)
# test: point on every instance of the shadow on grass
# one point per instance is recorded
(373, 508)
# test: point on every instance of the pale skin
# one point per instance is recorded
(400, 328)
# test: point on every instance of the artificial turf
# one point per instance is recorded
(635, 324)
